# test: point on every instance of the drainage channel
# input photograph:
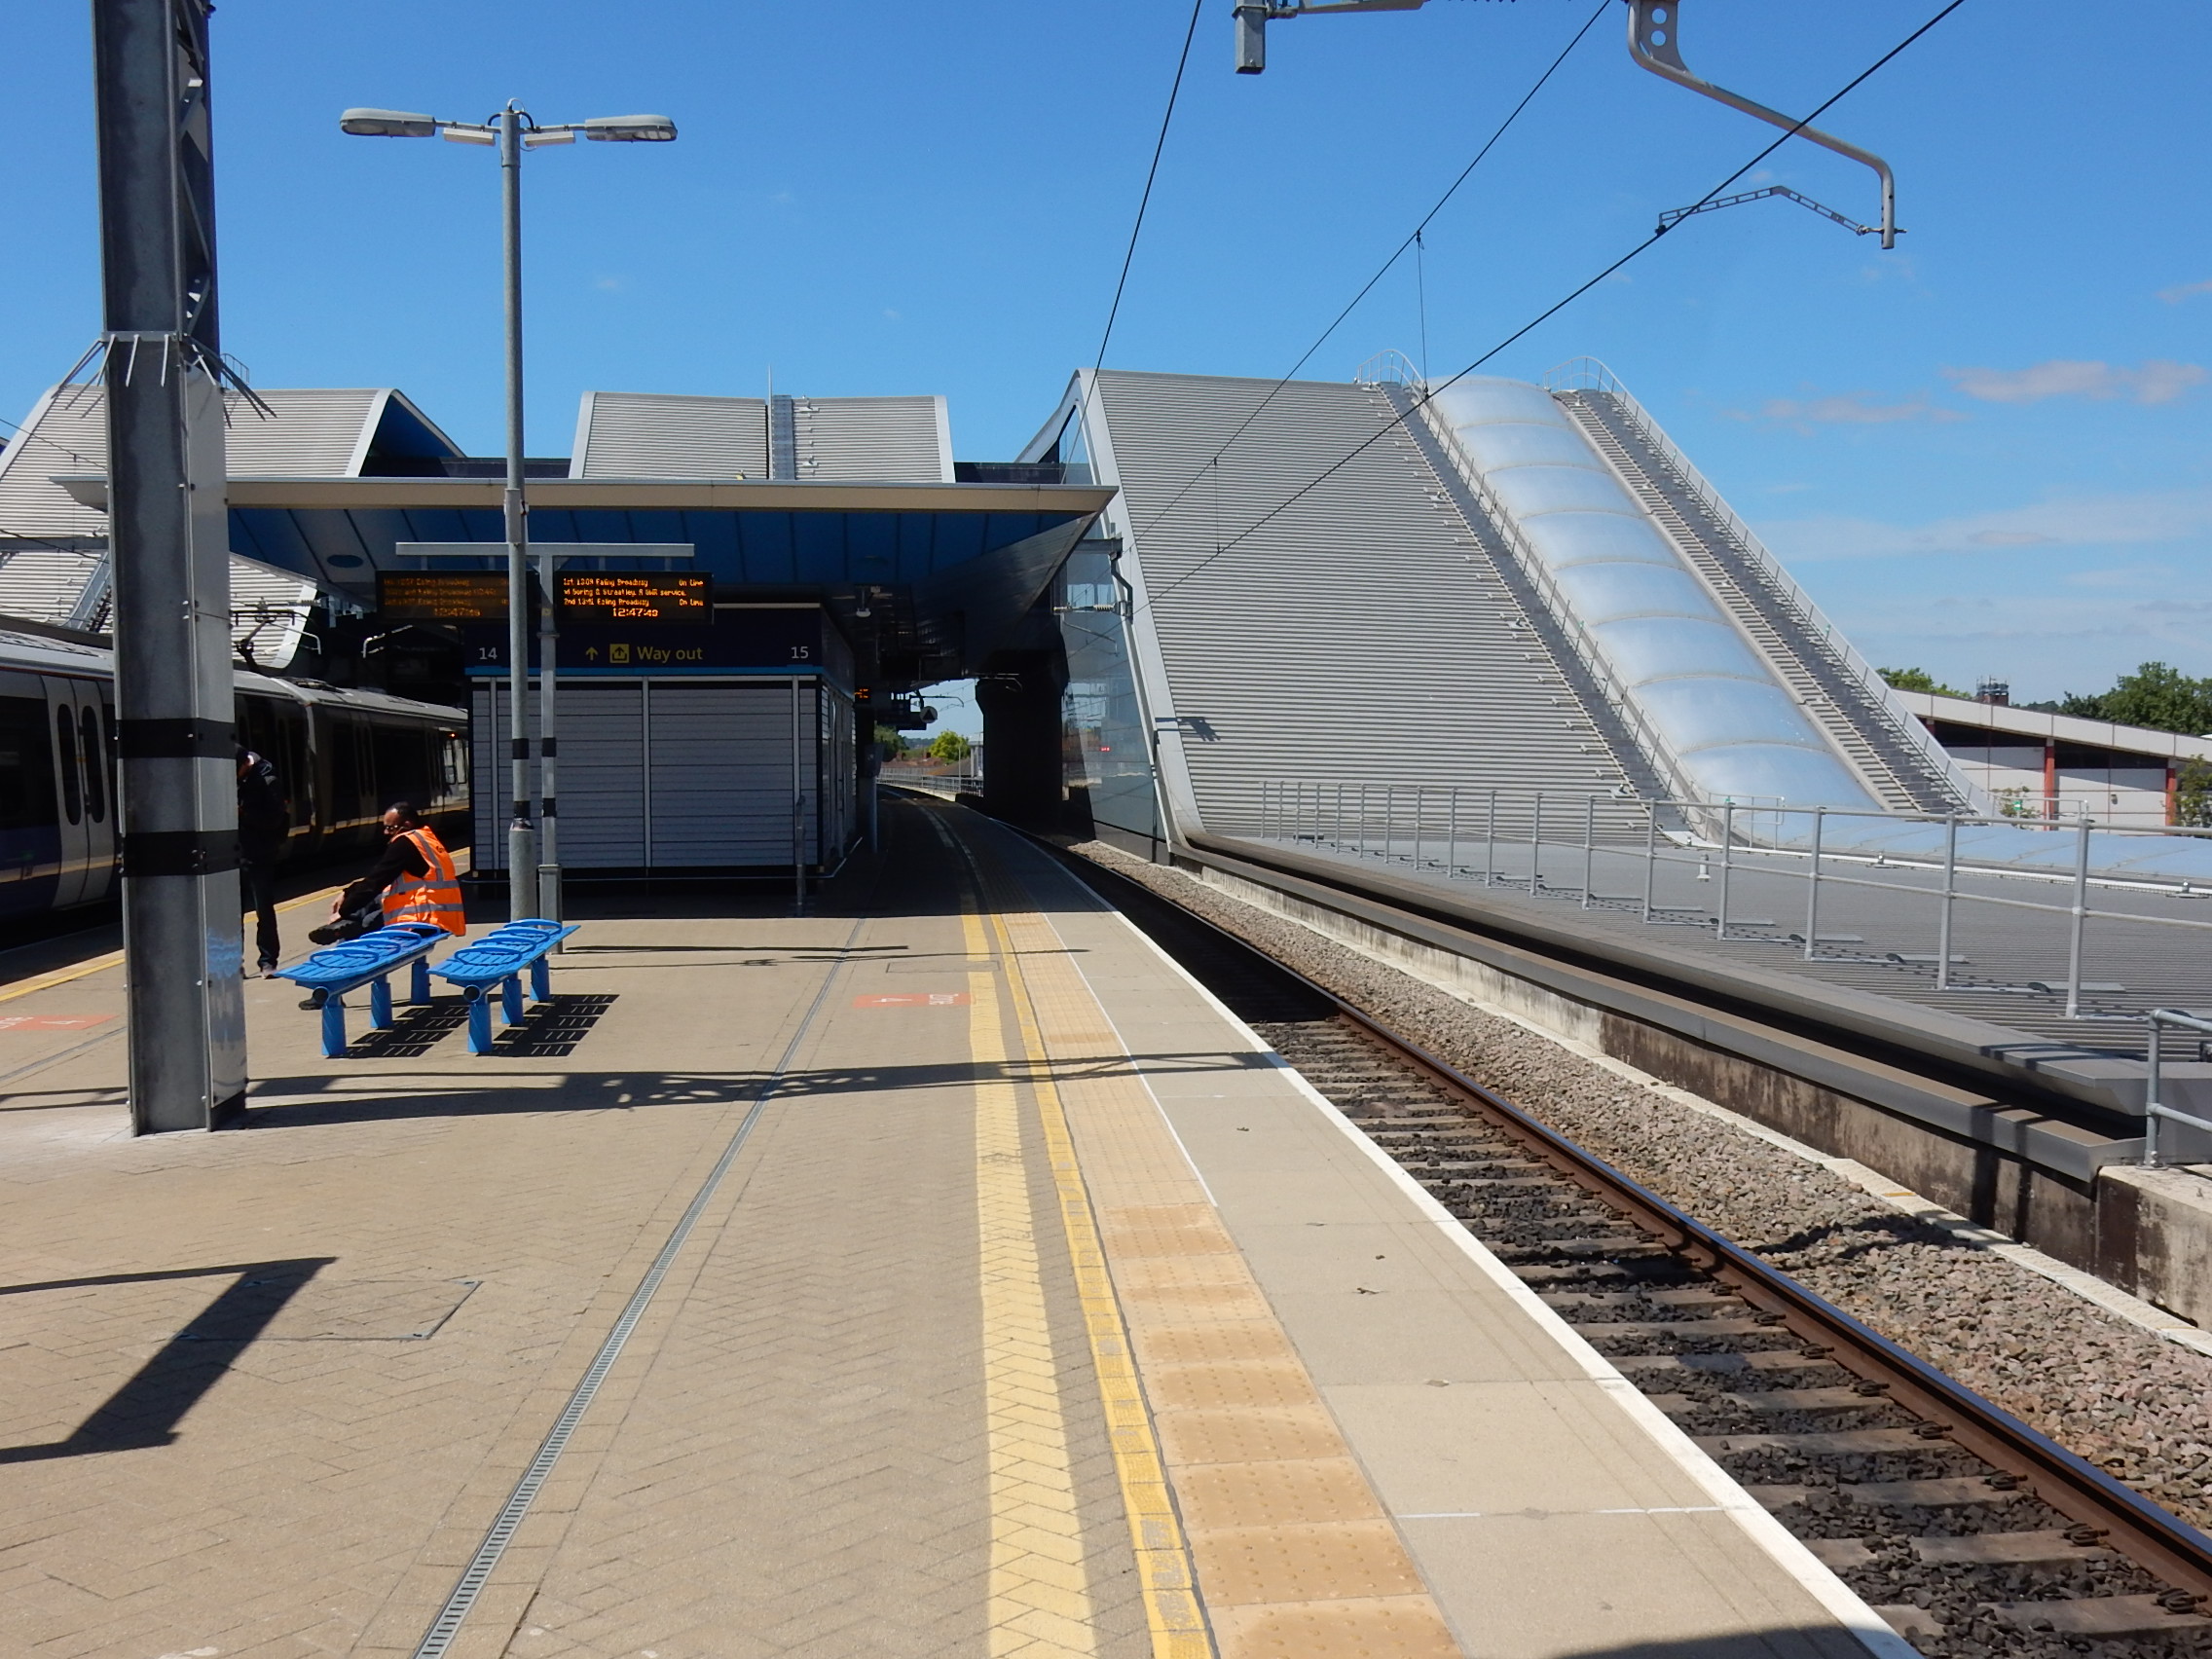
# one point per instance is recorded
(1970, 1532)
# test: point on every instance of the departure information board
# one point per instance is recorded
(442, 595)
(634, 597)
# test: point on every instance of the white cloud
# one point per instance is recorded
(2147, 518)
(1850, 409)
(2158, 381)
(2181, 291)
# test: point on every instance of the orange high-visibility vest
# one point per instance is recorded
(434, 898)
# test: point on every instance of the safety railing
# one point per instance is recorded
(2154, 1108)
(1594, 662)
(948, 784)
(1588, 373)
(1562, 846)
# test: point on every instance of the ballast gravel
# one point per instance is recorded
(2136, 1405)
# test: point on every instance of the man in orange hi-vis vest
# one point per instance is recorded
(414, 878)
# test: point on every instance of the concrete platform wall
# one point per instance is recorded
(2148, 1231)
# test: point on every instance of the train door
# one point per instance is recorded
(82, 778)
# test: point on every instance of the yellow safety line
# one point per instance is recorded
(1165, 1570)
(62, 976)
(1039, 1594)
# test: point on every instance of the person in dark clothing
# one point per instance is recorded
(264, 822)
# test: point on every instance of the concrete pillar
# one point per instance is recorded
(1020, 699)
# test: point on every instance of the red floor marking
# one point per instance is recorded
(915, 999)
(52, 1021)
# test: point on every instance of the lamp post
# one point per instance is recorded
(513, 130)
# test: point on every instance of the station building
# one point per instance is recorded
(2039, 765)
(750, 585)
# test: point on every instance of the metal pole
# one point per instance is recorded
(1727, 863)
(1589, 843)
(169, 541)
(1421, 800)
(1451, 837)
(798, 806)
(521, 840)
(2150, 1093)
(1950, 882)
(1813, 885)
(1490, 841)
(2080, 917)
(1537, 844)
(1650, 854)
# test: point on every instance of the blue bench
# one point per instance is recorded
(499, 959)
(370, 960)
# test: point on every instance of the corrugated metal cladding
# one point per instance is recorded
(852, 440)
(311, 434)
(44, 583)
(871, 440)
(269, 608)
(645, 434)
(675, 774)
(1360, 634)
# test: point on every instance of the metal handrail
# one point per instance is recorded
(1589, 373)
(1594, 661)
(2154, 1108)
(1387, 367)
(1342, 817)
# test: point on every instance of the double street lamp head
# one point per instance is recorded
(603, 129)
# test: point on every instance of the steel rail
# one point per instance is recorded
(2136, 1526)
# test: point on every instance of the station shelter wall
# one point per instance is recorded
(684, 773)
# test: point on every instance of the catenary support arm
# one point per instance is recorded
(1654, 41)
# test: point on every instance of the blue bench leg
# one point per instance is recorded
(419, 981)
(333, 1026)
(479, 1023)
(540, 981)
(380, 1003)
(510, 993)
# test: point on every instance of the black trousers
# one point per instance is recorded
(257, 885)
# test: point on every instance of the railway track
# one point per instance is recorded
(1970, 1532)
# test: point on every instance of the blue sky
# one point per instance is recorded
(1984, 453)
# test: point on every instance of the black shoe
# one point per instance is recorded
(267, 968)
(316, 998)
(325, 935)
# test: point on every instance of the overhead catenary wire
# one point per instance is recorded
(1412, 241)
(1151, 176)
(1429, 392)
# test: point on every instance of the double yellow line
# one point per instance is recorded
(1172, 1615)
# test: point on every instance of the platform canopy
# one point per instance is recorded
(927, 571)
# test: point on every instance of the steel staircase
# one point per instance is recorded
(1896, 768)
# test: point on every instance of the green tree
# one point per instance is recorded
(1917, 680)
(2158, 696)
(950, 747)
(890, 742)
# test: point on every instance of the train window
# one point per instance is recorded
(292, 765)
(345, 771)
(26, 765)
(95, 774)
(401, 774)
(65, 743)
(107, 760)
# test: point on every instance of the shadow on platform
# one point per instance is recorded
(145, 1411)
(629, 1090)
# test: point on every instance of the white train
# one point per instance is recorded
(341, 757)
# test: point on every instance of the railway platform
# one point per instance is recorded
(936, 1271)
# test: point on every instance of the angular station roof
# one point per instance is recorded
(851, 501)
